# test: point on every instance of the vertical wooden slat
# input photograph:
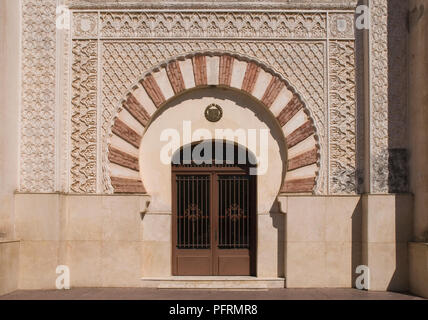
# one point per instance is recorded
(234, 203)
(186, 221)
(179, 211)
(249, 214)
(220, 213)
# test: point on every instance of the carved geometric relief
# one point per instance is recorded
(84, 117)
(342, 118)
(37, 151)
(64, 104)
(301, 63)
(379, 153)
(267, 25)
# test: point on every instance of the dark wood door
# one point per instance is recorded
(214, 225)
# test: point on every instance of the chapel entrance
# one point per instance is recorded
(214, 210)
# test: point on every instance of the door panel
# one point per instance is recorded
(193, 212)
(192, 254)
(234, 265)
(233, 250)
(213, 224)
(234, 212)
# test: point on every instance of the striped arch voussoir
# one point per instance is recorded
(213, 69)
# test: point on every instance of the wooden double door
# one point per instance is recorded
(214, 222)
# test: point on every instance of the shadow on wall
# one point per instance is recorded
(356, 245)
(397, 96)
(278, 222)
(394, 178)
(403, 232)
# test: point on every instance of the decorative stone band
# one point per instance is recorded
(214, 69)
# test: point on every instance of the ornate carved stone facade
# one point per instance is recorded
(303, 63)
(38, 113)
(379, 97)
(213, 25)
(84, 117)
(342, 117)
(112, 50)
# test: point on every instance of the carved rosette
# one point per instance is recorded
(341, 26)
(85, 25)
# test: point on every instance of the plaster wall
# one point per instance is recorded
(9, 265)
(418, 104)
(386, 229)
(418, 144)
(9, 111)
(322, 240)
(107, 242)
(327, 238)
(418, 268)
(98, 237)
(313, 241)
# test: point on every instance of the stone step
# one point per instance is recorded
(213, 283)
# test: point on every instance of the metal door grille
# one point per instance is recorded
(193, 212)
(234, 212)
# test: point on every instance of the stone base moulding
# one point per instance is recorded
(9, 265)
(418, 268)
(387, 226)
(214, 283)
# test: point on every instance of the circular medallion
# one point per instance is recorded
(213, 113)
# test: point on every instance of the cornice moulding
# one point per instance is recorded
(247, 5)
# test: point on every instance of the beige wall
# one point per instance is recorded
(107, 242)
(386, 230)
(418, 268)
(418, 117)
(316, 241)
(9, 110)
(323, 241)
(98, 237)
(9, 265)
(328, 237)
(418, 114)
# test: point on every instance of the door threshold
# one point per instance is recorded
(213, 282)
(213, 278)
